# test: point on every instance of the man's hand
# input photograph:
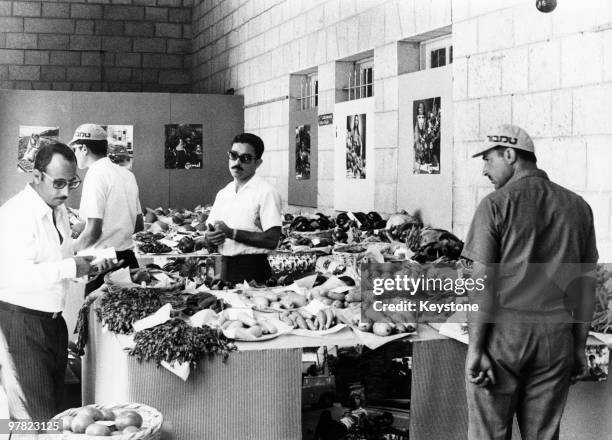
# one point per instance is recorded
(478, 369)
(221, 226)
(215, 237)
(105, 265)
(83, 265)
(580, 369)
(77, 228)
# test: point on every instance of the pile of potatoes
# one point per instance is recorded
(262, 299)
(247, 327)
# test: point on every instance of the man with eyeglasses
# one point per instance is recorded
(35, 265)
(109, 202)
(246, 215)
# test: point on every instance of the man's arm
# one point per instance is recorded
(583, 314)
(91, 234)
(478, 365)
(266, 240)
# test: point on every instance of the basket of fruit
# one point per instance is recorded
(128, 421)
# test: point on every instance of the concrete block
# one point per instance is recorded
(493, 112)
(91, 58)
(573, 17)
(407, 17)
(56, 10)
(41, 85)
(179, 46)
(390, 94)
(171, 30)
(464, 204)
(144, 2)
(12, 24)
(465, 38)
(64, 86)
(83, 74)
(5, 11)
(484, 75)
(533, 113)
(556, 154)
(49, 25)
(325, 194)
(65, 58)
(561, 104)
(460, 79)
(321, 53)
(174, 77)
(386, 130)
(495, 31)
(332, 43)
(347, 9)
(115, 12)
(466, 120)
(149, 45)
(392, 27)
(48, 41)
(531, 26)
(481, 7)
(156, 14)
(110, 27)
(21, 41)
(577, 52)
(385, 197)
(179, 15)
(515, 70)
(87, 11)
(607, 55)
(26, 9)
(591, 112)
(468, 172)
(22, 85)
(461, 11)
(459, 153)
(599, 159)
(37, 57)
(83, 27)
(85, 42)
(331, 12)
(118, 74)
(385, 61)
(138, 29)
(172, 3)
(386, 165)
(24, 73)
(352, 40)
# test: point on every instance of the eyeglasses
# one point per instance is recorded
(61, 183)
(243, 158)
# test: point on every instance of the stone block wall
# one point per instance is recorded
(96, 45)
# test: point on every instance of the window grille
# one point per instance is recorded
(361, 80)
(309, 92)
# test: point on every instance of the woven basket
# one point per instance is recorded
(353, 260)
(152, 421)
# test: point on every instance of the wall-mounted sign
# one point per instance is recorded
(326, 119)
(31, 138)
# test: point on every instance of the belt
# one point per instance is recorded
(14, 308)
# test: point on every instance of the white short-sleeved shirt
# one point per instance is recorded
(35, 264)
(110, 193)
(256, 207)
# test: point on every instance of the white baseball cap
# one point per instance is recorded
(507, 135)
(88, 132)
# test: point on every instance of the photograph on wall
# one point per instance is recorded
(183, 147)
(426, 120)
(302, 152)
(356, 146)
(120, 144)
(31, 139)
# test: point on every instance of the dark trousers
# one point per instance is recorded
(129, 260)
(532, 363)
(241, 268)
(38, 347)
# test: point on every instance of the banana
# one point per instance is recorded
(267, 326)
(329, 314)
(310, 324)
(322, 318)
(246, 319)
(301, 323)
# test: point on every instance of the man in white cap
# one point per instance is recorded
(109, 202)
(533, 242)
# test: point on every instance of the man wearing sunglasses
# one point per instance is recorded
(109, 202)
(246, 215)
(35, 265)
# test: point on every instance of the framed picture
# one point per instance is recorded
(31, 139)
(120, 144)
(426, 120)
(183, 146)
(356, 146)
(302, 152)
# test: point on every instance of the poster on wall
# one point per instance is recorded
(426, 119)
(120, 144)
(31, 139)
(183, 146)
(302, 152)
(356, 146)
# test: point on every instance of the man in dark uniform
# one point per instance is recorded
(533, 242)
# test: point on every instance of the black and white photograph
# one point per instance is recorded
(302, 152)
(356, 146)
(344, 262)
(426, 122)
(183, 146)
(31, 139)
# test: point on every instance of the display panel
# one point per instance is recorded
(302, 152)
(183, 146)
(426, 121)
(31, 139)
(356, 146)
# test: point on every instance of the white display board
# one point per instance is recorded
(354, 161)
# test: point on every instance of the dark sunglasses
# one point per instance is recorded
(61, 183)
(243, 158)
